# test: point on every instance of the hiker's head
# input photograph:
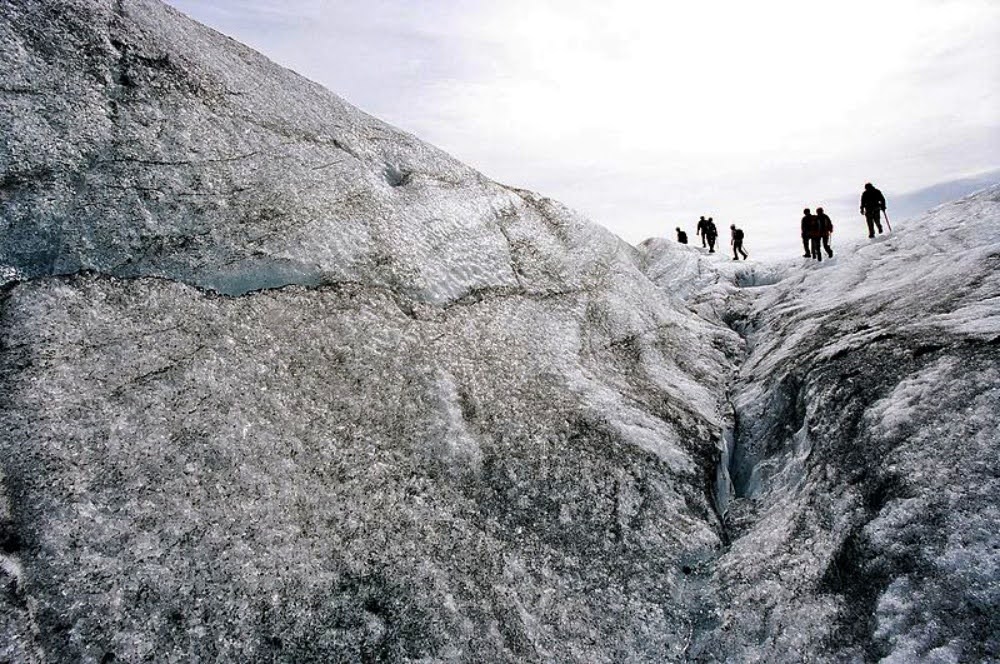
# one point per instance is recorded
(733, 226)
(702, 218)
(806, 211)
(868, 185)
(678, 229)
(819, 210)
(710, 218)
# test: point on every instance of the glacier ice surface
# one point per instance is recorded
(281, 382)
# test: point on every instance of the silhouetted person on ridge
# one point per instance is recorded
(825, 229)
(813, 232)
(872, 206)
(737, 242)
(806, 225)
(682, 237)
(711, 233)
(702, 230)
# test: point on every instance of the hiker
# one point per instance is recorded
(825, 230)
(682, 237)
(737, 242)
(702, 229)
(711, 232)
(807, 217)
(812, 232)
(872, 206)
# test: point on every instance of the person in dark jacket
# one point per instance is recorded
(682, 237)
(825, 229)
(701, 230)
(811, 225)
(711, 233)
(872, 206)
(737, 242)
(806, 225)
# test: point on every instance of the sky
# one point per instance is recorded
(645, 115)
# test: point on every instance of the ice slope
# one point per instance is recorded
(314, 475)
(282, 383)
(864, 518)
(138, 142)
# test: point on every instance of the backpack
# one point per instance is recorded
(738, 235)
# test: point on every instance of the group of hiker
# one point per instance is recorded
(816, 228)
(707, 231)
(710, 233)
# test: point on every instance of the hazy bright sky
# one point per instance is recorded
(645, 115)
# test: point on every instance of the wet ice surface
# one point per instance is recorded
(311, 390)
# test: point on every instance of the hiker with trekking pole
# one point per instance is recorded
(873, 207)
(702, 230)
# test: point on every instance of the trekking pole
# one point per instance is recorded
(887, 224)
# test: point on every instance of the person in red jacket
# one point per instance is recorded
(825, 229)
(812, 232)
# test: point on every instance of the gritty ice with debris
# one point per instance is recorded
(279, 382)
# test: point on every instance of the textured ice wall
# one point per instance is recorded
(478, 428)
(467, 429)
(866, 527)
(317, 475)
